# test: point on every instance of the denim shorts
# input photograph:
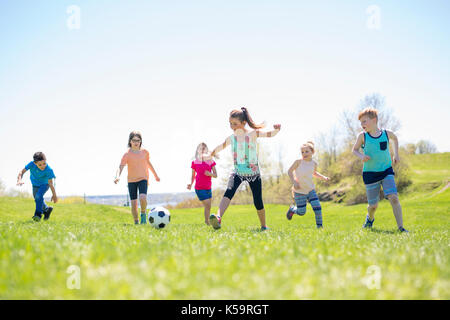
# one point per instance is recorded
(203, 194)
(373, 189)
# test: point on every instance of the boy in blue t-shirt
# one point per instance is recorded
(377, 167)
(41, 176)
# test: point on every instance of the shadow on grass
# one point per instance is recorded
(375, 230)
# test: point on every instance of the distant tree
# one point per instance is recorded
(327, 147)
(424, 146)
(410, 148)
(386, 119)
(2, 188)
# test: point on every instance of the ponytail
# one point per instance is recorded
(243, 115)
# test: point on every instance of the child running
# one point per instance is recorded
(41, 176)
(203, 168)
(246, 167)
(138, 162)
(301, 174)
(377, 165)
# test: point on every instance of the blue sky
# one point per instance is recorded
(175, 69)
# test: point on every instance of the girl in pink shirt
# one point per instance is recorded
(138, 162)
(203, 168)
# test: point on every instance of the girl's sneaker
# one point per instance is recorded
(290, 213)
(143, 218)
(265, 228)
(368, 223)
(215, 221)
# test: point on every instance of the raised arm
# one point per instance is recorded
(221, 147)
(269, 134)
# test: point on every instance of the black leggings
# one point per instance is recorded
(133, 188)
(255, 185)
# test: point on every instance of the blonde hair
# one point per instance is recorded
(198, 156)
(310, 145)
(370, 112)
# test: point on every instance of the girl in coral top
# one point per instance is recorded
(138, 162)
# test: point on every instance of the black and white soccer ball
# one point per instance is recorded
(159, 217)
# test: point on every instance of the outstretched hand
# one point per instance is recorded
(277, 126)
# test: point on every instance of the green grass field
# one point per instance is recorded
(188, 260)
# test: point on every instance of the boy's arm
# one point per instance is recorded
(392, 137)
(269, 134)
(221, 147)
(357, 146)
(52, 187)
(20, 176)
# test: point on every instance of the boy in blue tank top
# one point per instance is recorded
(377, 167)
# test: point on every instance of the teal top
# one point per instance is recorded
(244, 152)
(377, 148)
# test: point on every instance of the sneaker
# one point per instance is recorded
(37, 218)
(401, 229)
(215, 221)
(143, 218)
(319, 226)
(265, 228)
(290, 213)
(368, 223)
(47, 213)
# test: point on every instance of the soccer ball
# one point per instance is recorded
(159, 217)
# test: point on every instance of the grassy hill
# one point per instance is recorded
(293, 260)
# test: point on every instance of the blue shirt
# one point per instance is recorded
(380, 165)
(39, 177)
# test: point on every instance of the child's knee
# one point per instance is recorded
(393, 198)
(373, 206)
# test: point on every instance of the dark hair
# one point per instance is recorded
(243, 115)
(132, 135)
(39, 156)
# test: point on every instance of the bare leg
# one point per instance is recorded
(134, 209)
(143, 200)
(371, 210)
(224, 203)
(397, 208)
(262, 217)
(207, 205)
